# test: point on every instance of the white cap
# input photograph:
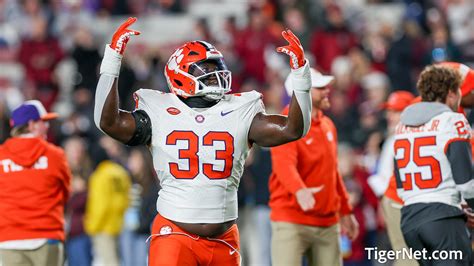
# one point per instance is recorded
(318, 80)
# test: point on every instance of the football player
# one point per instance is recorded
(199, 137)
(433, 167)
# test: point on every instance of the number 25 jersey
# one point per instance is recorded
(423, 170)
(199, 156)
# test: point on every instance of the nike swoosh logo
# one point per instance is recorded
(226, 113)
(309, 141)
(231, 252)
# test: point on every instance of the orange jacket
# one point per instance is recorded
(34, 187)
(308, 162)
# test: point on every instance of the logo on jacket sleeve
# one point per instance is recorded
(165, 230)
(330, 136)
(173, 111)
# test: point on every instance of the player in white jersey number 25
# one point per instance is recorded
(199, 137)
(433, 169)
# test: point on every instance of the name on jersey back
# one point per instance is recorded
(430, 127)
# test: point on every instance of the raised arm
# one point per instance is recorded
(118, 124)
(272, 130)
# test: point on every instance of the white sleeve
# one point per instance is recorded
(103, 89)
(301, 85)
(109, 70)
(379, 181)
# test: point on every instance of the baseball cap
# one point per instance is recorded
(398, 100)
(30, 110)
(318, 80)
(467, 74)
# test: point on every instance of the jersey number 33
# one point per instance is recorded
(190, 154)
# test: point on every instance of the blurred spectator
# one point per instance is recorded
(78, 244)
(10, 98)
(87, 58)
(353, 252)
(308, 201)
(258, 228)
(382, 181)
(142, 210)
(80, 122)
(295, 20)
(332, 41)
(40, 54)
(201, 31)
(364, 205)
(35, 186)
(360, 64)
(343, 116)
(376, 88)
(441, 47)
(9, 9)
(251, 44)
(27, 16)
(79, 160)
(107, 201)
(459, 17)
(115, 7)
(165, 6)
(405, 54)
(70, 17)
(9, 35)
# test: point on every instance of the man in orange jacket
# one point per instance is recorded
(308, 199)
(34, 187)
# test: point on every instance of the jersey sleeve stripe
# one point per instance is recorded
(446, 146)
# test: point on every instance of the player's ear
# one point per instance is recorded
(31, 126)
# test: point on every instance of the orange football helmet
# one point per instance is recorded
(467, 75)
(188, 73)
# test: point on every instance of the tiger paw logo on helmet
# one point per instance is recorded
(175, 59)
(197, 69)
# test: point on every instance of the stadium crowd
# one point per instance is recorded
(50, 50)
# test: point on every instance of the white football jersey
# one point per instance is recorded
(423, 167)
(199, 156)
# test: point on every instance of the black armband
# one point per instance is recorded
(142, 134)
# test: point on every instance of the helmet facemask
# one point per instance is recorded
(212, 77)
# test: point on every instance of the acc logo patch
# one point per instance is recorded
(199, 118)
(330, 136)
(165, 230)
(173, 111)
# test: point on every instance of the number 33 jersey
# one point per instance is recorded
(425, 159)
(199, 155)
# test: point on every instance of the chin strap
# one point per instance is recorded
(301, 83)
(199, 102)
